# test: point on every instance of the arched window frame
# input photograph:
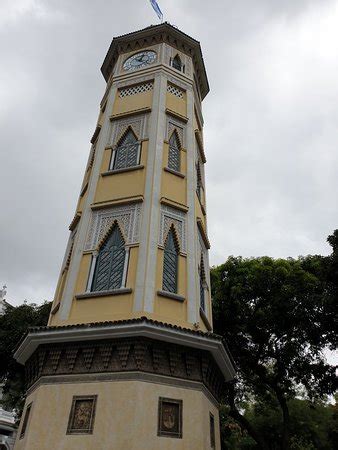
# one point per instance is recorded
(174, 152)
(202, 281)
(199, 181)
(96, 259)
(176, 63)
(170, 262)
(131, 149)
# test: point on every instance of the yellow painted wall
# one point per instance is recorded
(132, 102)
(60, 287)
(100, 119)
(173, 187)
(199, 212)
(97, 309)
(167, 309)
(106, 160)
(121, 185)
(179, 105)
(118, 423)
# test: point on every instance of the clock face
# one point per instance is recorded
(139, 60)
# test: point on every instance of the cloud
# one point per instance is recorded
(13, 11)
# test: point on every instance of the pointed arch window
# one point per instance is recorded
(199, 184)
(176, 63)
(126, 153)
(110, 264)
(174, 155)
(202, 284)
(170, 263)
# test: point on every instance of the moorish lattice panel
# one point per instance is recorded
(136, 89)
(175, 90)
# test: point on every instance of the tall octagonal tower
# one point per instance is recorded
(128, 359)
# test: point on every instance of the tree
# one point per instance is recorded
(312, 425)
(277, 317)
(13, 325)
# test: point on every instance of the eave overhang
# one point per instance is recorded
(142, 327)
(151, 35)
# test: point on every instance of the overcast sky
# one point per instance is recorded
(270, 123)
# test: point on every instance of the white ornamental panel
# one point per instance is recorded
(172, 125)
(128, 218)
(138, 125)
(172, 216)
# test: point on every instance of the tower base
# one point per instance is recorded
(134, 384)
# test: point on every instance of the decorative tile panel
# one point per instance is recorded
(127, 216)
(172, 216)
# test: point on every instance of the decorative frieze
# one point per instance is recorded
(127, 216)
(125, 355)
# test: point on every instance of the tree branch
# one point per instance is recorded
(286, 418)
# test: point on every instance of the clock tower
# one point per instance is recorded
(128, 359)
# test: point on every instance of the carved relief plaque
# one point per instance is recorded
(81, 418)
(170, 418)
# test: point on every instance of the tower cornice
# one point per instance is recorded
(153, 35)
(138, 327)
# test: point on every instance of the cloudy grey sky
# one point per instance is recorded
(271, 123)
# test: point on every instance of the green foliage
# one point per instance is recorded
(14, 323)
(311, 426)
(277, 316)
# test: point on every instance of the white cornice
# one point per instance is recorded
(143, 329)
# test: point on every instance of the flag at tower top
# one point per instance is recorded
(157, 9)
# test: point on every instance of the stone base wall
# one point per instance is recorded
(126, 414)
